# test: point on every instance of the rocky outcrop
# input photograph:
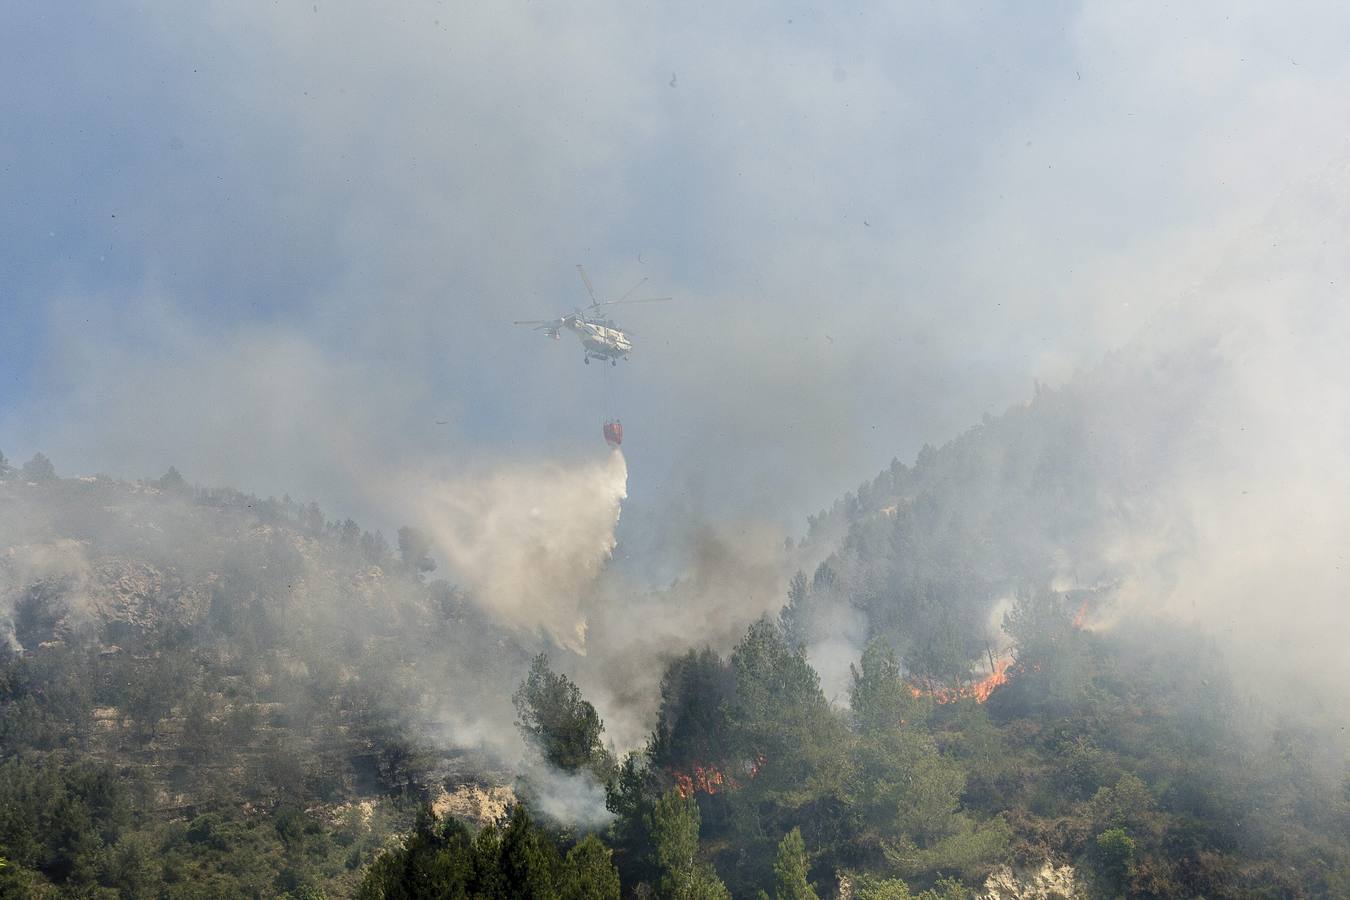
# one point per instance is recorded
(473, 803)
(1046, 882)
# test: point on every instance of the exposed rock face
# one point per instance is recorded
(143, 597)
(472, 803)
(1046, 882)
(362, 810)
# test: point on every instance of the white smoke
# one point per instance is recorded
(728, 579)
(24, 565)
(1242, 524)
(529, 541)
(578, 799)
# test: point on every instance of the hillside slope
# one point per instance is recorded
(219, 652)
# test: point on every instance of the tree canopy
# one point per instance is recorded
(554, 718)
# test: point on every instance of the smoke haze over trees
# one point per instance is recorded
(191, 633)
(981, 523)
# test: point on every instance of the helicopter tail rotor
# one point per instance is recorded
(551, 327)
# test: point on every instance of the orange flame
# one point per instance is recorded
(979, 690)
(711, 780)
(705, 779)
(1080, 615)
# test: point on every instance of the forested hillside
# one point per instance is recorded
(1050, 494)
(199, 688)
(205, 693)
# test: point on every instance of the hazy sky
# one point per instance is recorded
(275, 244)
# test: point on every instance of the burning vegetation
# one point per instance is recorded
(1080, 744)
(978, 690)
(711, 779)
(703, 780)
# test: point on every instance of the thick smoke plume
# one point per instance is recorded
(729, 578)
(1251, 541)
(531, 542)
(528, 541)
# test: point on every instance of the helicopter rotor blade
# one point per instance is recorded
(642, 300)
(589, 289)
(533, 322)
(629, 292)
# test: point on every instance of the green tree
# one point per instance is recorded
(402, 763)
(789, 870)
(793, 618)
(62, 819)
(868, 887)
(39, 468)
(697, 691)
(18, 882)
(1128, 804)
(554, 718)
(879, 698)
(941, 647)
(374, 548)
(1113, 856)
(970, 849)
(904, 786)
(871, 888)
(486, 864)
(5, 469)
(153, 687)
(1054, 667)
(312, 518)
(630, 793)
(778, 710)
(794, 746)
(1038, 622)
(414, 548)
(673, 826)
(305, 892)
(588, 872)
(528, 861)
(436, 860)
(290, 825)
(201, 732)
(173, 481)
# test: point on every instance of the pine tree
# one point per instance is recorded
(673, 826)
(793, 617)
(879, 698)
(435, 860)
(414, 547)
(528, 862)
(789, 871)
(589, 873)
(172, 480)
(555, 718)
(39, 468)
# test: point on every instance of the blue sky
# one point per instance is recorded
(276, 244)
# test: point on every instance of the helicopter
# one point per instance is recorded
(601, 339)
